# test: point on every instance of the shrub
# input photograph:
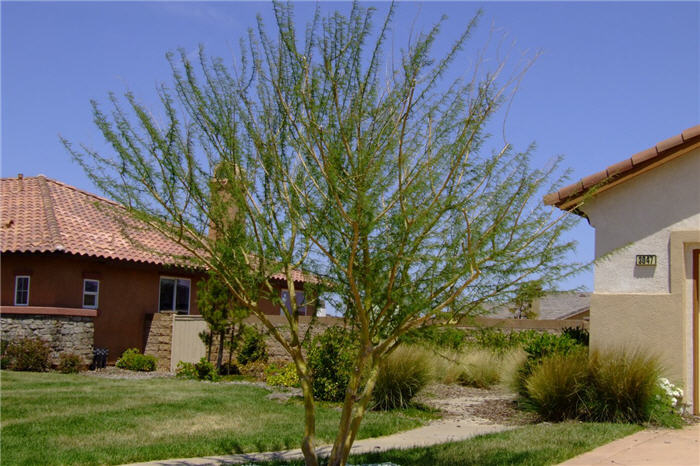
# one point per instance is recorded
(480, 369)
(254, 369)
(282, 376)
(133, 360)
(622, 387)
(540, 346)
(185, 370)
(331, 358)
(579, 334)
(70, 363)
(202, 370)
(607, 387)
(500, 341)
(229, 368)
(441, 337)
(4, 358)
(253, 347)
(555, 387)
(402, 375)
(28, 354)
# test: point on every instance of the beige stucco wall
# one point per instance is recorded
(657, 212)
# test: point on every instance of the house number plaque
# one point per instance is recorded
(646, 259)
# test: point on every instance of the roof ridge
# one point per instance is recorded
(81, 191)
(50, 214)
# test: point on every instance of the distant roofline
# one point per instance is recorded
(664, 151)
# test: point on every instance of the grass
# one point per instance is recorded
(539, 444)
(52, 418)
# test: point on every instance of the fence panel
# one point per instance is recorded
(187, 346)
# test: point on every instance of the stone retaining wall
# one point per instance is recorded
(159, 338)
(65, 334)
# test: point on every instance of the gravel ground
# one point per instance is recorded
(493, 406)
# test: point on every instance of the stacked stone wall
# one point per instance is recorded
(64, 334)
(159, 338)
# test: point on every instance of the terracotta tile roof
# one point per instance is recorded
(624, 169)
(38, 214)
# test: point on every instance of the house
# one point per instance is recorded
(557, 305)
(646, 214)
(71, 276)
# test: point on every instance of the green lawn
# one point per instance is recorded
(51, 418)
(539, 444)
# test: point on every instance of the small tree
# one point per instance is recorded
(525, 296)
(315, 152)
(218, 307)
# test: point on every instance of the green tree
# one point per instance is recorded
(219, 309)
(316, 152)
(525, 296)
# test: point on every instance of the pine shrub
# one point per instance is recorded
(253, 347)
(331, 358)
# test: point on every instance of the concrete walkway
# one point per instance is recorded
(431, 434)
(662, 447)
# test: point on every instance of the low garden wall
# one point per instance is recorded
(63, 330)
(171, 337)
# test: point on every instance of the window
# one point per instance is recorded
(91, 291)
(22, 290)
(300, 302)
(174, 295)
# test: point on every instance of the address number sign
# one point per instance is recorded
(646, 259)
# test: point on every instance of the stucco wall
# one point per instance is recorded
(65, 334)
(128, 292)
(650, 307)
(636, 217)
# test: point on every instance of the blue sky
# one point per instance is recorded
(612, 78)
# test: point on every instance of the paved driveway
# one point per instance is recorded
(662, 447)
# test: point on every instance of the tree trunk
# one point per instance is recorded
(230, 348)
(220, 353)
(307, 443)
(353, 412)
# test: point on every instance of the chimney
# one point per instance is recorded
(20, 176)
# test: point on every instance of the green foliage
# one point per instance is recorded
(4, 358)
(185, 370)
(441, 337)
(381, 179)
(229, 368)
(401, 376)
(501, 341)
(284, 376)
(622, 386)
(331, 358)
(70, 363)
(253, 347)
(133, 360)
(607, 387)
(555, 387)
(581, 335)
(538, 347)
(27, 354)
(525, 295)
(202, 370)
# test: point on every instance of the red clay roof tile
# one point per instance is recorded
(39, 214)
(626, 167)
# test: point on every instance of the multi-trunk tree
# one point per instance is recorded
(315, 151)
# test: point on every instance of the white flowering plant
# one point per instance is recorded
(670, 395)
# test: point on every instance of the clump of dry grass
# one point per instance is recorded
(404, 373)
(479, 368)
